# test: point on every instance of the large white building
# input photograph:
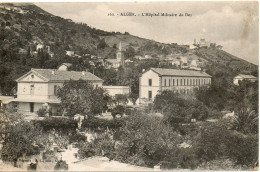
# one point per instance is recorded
(38, 88)
(157, 80)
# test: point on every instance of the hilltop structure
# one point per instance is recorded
(157, 80)
(241, 77)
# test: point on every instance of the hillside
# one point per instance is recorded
(24, 26)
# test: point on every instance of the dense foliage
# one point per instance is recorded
(81, 97)
(97, 124)
(177, 109)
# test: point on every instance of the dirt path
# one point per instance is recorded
(103, 164)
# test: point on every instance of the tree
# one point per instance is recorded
(129, 52)
(120, 99)
(80, 97)
(20, 140)
(245, 121)
(177, 109)
(146, 141)
(102, 44)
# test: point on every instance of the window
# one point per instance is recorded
(150, 94)
(199, 81)
(177, 82)
(181, 82)
(32, 89)
(173, 82)
(55, 90)
(32, 76)
(184, 80)
(164, 82)
(31, 107)
(150, 82)
(187, 81)
(169, 82)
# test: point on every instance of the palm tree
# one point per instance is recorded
(246, 121)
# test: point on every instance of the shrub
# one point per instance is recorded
(97, 124)
(77, 137)
(216, 141)
(146, 139)
(219, 164)
(61, 124)
(118, 110)
(42, 112)
(103, 145)
(243, 149)
(178, 109)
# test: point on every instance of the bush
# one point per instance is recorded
(146, 140)
(97, 124)
(103, 145)
(216, 141)
(243, 149)
(60, 124)
(77, 137)
(42, 112)
(179, 110)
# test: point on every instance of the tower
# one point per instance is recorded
(120, 56)
(119, 52)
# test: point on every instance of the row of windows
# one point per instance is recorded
(186, 82)
(183, 82)
(32, 89)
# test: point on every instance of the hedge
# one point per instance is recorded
(97, 124)
(61, 123)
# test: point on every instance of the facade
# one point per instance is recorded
(113, 90)
(38, 88)
(157, 80)
(241, 77)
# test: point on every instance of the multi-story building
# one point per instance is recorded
(38, 88)
(157, 80)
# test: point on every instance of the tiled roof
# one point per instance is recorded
(56, 75)
(176, 72)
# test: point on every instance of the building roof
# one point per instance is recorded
(177, 72)
(245, 76)
(57, 75)
(113, 61)
(66, 64)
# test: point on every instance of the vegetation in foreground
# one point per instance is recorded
(181, 138)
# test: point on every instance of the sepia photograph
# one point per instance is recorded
(129, 86)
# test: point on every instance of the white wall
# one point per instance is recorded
(144, 84)
(24, 108)
(158, 83)
(113, 90)
(40, 90)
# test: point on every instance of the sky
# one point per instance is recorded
(233, 24)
